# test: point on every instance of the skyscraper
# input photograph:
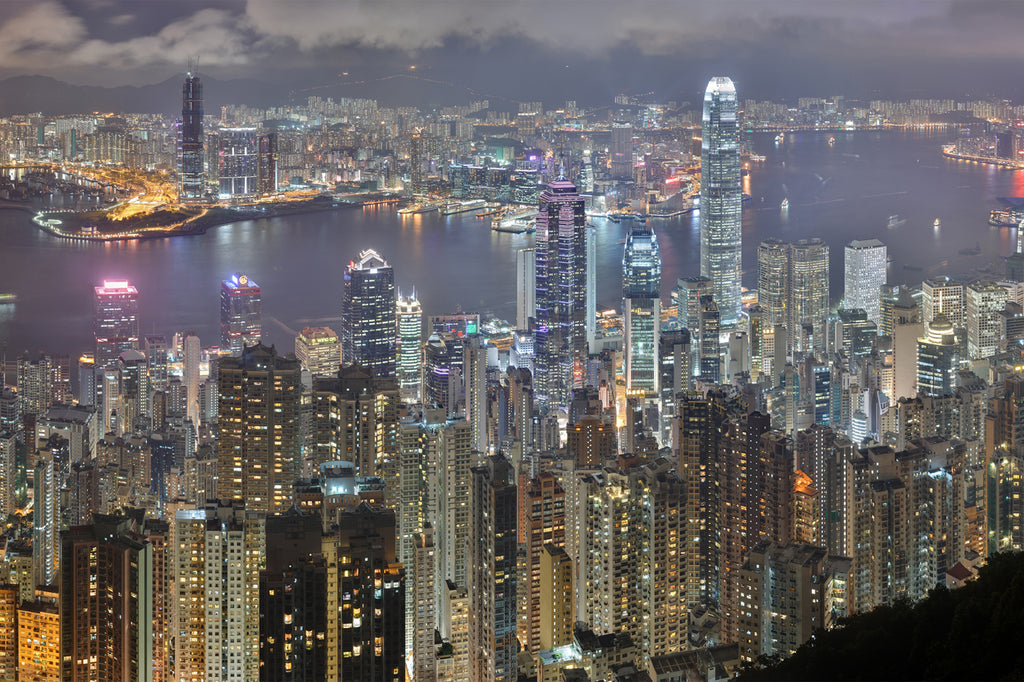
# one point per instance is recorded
(192, 353)
(937, 358)
(721, 198)
(319, 350)
(266, 176)
(410, 346)
(116, 321)
(191, 175)
(241, 313)
(368, 333)
(258, 445)
(526, 287)
(809, 292)
(641, 307)
(238, 167)
(561, 293)
(865, 275)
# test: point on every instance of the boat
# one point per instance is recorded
(832, 140)
(426, 208)
(454, 207)
(785, 204)
(937, 224)
(515, 220)
(780, 138)
(8, 298)
(896, 221)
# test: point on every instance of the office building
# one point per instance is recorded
(318, 350)
(721, 198)
(238, 163)
(191, 158)
(241, 313)
(808, 294)
(865, 268)
(368, 332)
(409, 363)
(620, 152)
(526, 287)
(258, 443)
(116, 321)
(493, 574)
(773, 272)
(985, 301)
(192, 354)
(937, 361)
(675, 363)
(710, 361)
(561, 296)
(641, 308)
(687, 293)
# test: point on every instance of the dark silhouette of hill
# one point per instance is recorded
(973, 633)
(28, 94)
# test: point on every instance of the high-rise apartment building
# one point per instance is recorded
(544, 517)
(641, 307)
(258, 445)
(409, 349)
(116, 321)
(561, 297)
(369, 332)
(319, 350)
(191, 159)
(241, 313)
(111, 589)
(39, 632)
(424, 620)
(214, 579)
(721, 198)
(865, 268)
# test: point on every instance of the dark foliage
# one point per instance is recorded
(973, 633)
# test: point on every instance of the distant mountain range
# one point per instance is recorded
(28, 94)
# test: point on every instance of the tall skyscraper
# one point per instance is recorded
(241, 313)
(620, 151)
(865, 275)
(526, 287)
(266, 177)
(238, 168)
(721, 198)
(192, 353)
(368, 334)
(773, 281)
(319, 350)
(985, 303)
(116, 321)
(410, 346)
(641, 307)
(191, 175)
(561, 294)
(258, 446)
(809, 293)
(493, 571)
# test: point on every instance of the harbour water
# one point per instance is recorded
(839, 192)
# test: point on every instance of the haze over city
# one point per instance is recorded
(568, 341)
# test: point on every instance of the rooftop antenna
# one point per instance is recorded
(193, 65)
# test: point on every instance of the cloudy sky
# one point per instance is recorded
(544, 49)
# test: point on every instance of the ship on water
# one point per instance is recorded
(6, 299)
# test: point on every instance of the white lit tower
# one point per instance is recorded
(721, 198)
(409, 351)
(641, 307)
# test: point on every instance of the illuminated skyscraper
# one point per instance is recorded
(865, 275)
(526, 287)
(241, 313)
(368, 333)
(258, 446)
(561, 294)
(985, 303)
(266, 180)
(116, 321)
(319, 350)
(937, 358)
(410, 345)
(238, 167)
(721, 198)
(192, 354)
(191, 175)
(641, 307)
(808, 292)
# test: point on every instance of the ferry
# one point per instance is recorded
(454, 207)
(514, 218)
(937, 224)
(418, 208)
(8, 298)
(896, 221)
(785, 204)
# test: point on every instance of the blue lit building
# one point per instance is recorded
(641, 306)
(369, 321)
(721, 198)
